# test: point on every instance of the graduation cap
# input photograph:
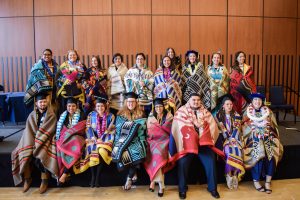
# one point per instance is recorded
(221, 100)
(191, 51)
(101, 98)
(159, 101)
(40, 96)
(130, 95)
(72, 100)
(257, 95)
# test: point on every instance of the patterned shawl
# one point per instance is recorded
(132, 83)
(69, 145)
(196, 82)
(241, 86)
(115, 85)
(233, 141)
(168, 89)
(96, 146)
(130, 142)
(186, 139)
(260, 136)
(36, 142)
(158, 141)
(219, 83)
(37, 81)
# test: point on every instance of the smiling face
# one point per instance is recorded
(171, 53)
(159, 109)
(100, 108)
(71, 108)
(140, 61)
(72, 56)
(117, 60)
(167, 62)
(228, 105)
(94, 62)
(42, 105)
(216, 59)
(47, 56)
(257, 103)
(192, 58)
(195, 102)
(241, 58)
(131, 103)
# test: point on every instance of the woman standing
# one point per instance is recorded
(129, 149)
(241, 83)
(262, 150)
(139, 80)
(115, 84)
(229, 123)
(69, 138)
(100, 131)
(195, 80)
(167, 84)
(176, 60)
(69, 77)
(159, 125)
(219, 81)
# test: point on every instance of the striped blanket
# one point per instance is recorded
(36, 142)
(168, 89)
(130, 142)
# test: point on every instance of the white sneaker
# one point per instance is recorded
(229, 180)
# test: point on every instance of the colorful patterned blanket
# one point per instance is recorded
(36, 142)
(158, 141)
(130, 142)
(69, 145)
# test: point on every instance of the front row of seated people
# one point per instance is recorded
(72, 144)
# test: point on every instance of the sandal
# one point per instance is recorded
(134, 178)
(268, 189)
(259, 188)
(128, 184)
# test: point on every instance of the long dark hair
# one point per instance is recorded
(172, 67)
(165, 112)
(220, 63)
(221, 115)
(187, 61)
(236, 63)
(99, 66)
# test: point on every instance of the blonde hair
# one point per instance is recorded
(136, 114)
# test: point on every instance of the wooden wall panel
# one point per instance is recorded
(208, 7)
(131, 6)
(54, 33)
(208, 34)
(279, 36)
(132, 34)
(53, 7)
(245, 7)
(9, 8)
(245, 33)
(93, 34)
(16, 36)
(280, 8)
(165, 34)
(170, 7)
(92, 7)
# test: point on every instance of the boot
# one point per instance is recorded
(44, 183)
(27, 179)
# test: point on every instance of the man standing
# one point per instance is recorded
(36, 146)
(194, 132)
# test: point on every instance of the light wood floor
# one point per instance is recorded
(288, 189)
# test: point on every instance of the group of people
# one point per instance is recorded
(88, 117)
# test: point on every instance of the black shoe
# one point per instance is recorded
(215, 194)
(182, 195)
(151, 189)
(160, 194)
